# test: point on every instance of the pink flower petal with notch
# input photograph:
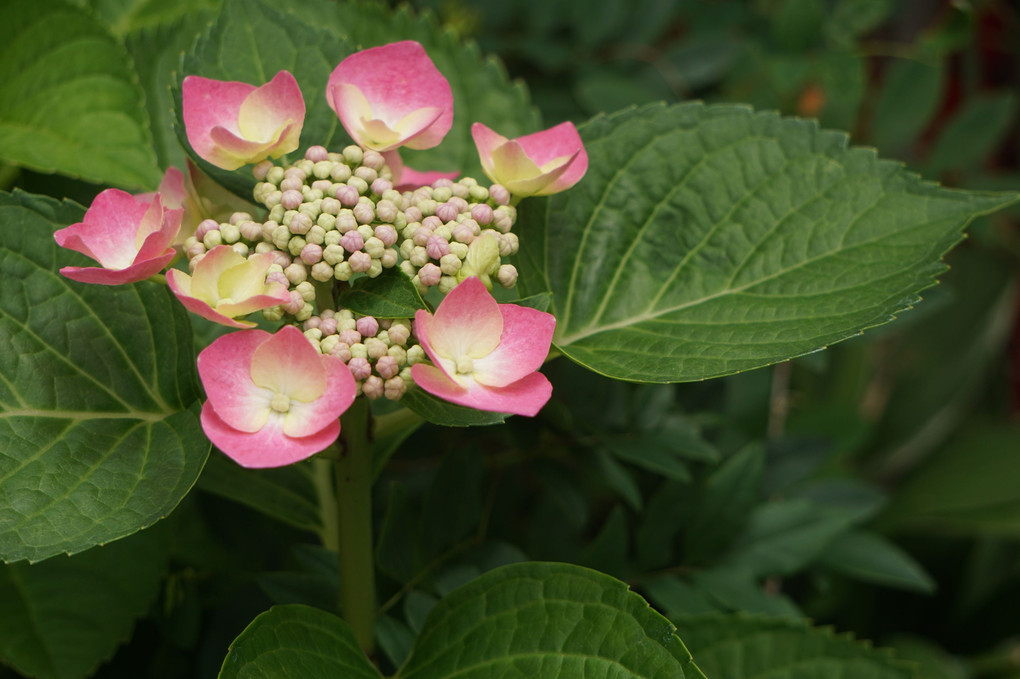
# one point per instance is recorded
(393, 92)
(526, 396)
(225, 370)
(287, 363)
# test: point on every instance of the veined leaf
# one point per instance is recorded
(99, 432)
(69, 101)
(545, 621)
(60, 619)
(447, 414)
(706, 240)
(389, 295)
(296, 642)
(744, 647)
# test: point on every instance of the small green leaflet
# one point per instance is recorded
(389, 295)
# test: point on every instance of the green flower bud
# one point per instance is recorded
(358, 183)
(478, 194)
(274, 175)
(296, 245)
(328, 343)
(459, 249)
(398, 352)
(316, 235)
(374, 247)
(262, 248)
(322, 271)
(306, 290)
(332, 238)
(322, 169)
(273, 313)
(343, 271)
(333, 254)
(326, 221)
(230, 233)
(409, 270)
(358, 350)
(415, 355)
(442, 194)
(314, 334)
(296, 273)
(375, 268)
(389, 258)
(353, 155)
(212, 239)
(450, 264)
(306, 312)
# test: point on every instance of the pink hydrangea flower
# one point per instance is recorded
(131, 240)
(230, 124)
(537, 164)
(485, 355)
(226, 285)
(272, 399)
(391, 96)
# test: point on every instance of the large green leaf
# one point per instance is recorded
(69, 101)
(706, 240)
(296, 642)
(968, 486)
(389, 295)
(744, 647)
(99, 434)
(125, 16)
(544, 620)
(250, 42)
(60, 619)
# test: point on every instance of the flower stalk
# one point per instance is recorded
(354, 504)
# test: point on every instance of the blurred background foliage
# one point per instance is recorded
(874, 487)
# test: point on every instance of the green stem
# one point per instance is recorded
(354, 503)
(322, 476)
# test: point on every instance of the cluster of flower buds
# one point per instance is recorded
(331, 218)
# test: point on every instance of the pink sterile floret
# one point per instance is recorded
(391, 96)
(272, 399)
(132, 240)
(230, 124)
(485, 355)
(226, 285)
(537, 164)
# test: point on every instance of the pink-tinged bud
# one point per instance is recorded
(360, 262)
(459, 203)
(507, 275)
(463, 233)
(485, 355)
(277, 277)
(386, 233)
(311, 254)
(429, 275)
(391, 96)
(312, 322)
(261, 170)
(399, 334)
(360, 367)
(447, 212)
(375, 348)
(368, 326)
(381, 186)
(364, 213)
(205, 226)
(291, 184)
(395, 388)
(350, 336)
(328, 326)
(251, 231)
(130, 240)
(231, 124)
(316, 153)
(281, 258)
(347, 195)
(387, 367)
(272, 399)
(413, 214)
(294, 304)
(292, 199)
(437, 247)
(421, 236)
(482, 214)
(225, 285)
(499, 194)
(352, 241)
(341, 351)
(373, 387)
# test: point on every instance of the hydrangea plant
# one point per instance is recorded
(656, 244)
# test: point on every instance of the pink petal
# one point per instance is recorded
(225, 370)
(276, 293)
(407, 178)
(304, 419)
(132, 274)
(523, 346)
(556, 142)
(396, 80)
(523, 397)
(157, 230)
(208, 103)
(206, 276)
(108, 231)
(276, 104)
(180, 285)
(467, 323)
(268, 447)
(172, 189)
(288, 364)
(487, 141)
